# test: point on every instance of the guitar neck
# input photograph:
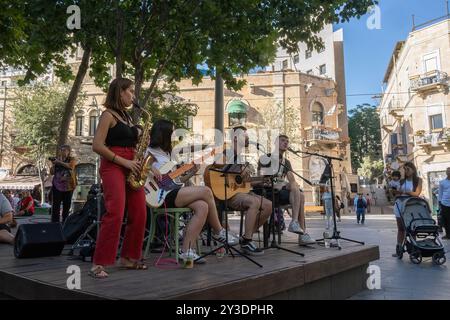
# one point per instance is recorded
(184, 168)
(181, 170)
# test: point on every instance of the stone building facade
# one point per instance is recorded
(415, 106)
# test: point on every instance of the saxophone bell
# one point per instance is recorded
(137, 179)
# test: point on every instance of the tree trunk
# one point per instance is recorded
(42, 189)
(70, 103)
(138, 81)
(119, 41)
(40, 163)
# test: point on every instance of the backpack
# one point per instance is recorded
(87, 251)
(360, 204)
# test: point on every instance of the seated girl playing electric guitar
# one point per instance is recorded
(198, 198)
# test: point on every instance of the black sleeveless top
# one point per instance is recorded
(121, 135)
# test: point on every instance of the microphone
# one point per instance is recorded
(136, 104)
(291, 150)
(258, 145)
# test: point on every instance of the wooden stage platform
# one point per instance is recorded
(324, 273)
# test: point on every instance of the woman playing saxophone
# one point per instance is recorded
(115, 141)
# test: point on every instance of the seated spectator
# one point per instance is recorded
(26, 205)
(6, 217)
(16, 201)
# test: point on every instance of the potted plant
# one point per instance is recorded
(446, 134)
(419, 133)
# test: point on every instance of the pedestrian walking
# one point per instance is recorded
(360, 205)
(339, 207)
(444, 203)
(328, 204)
(369, 202)
(410, 186)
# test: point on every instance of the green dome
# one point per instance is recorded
(237, 106)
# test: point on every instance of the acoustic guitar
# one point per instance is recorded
(237, 183)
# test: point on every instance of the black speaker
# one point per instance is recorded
(39, 240)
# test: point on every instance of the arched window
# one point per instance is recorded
(92, 122)
(28, 170)
(79, 124)
(317, 113)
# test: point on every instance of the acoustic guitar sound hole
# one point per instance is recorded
(238, 179)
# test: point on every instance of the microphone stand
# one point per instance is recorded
(336, 234)
(228, 248)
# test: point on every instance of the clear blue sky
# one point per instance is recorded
(367, 52)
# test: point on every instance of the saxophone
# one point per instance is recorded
(137, 180)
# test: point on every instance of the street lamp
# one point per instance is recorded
(3, 122)
(94, 104)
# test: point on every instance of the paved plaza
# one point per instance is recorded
(400, 279)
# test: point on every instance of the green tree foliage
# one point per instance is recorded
(371, 169)
(284, 118)
(170, 39)
(37, 112)
(365, 136)
(150, 40)
(167, 105)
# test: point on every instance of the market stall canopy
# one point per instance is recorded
(19, 183)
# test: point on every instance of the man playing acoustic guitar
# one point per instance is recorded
(257, 208)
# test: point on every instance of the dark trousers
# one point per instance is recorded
(360, 215)
(338, 212)
(445, 217)
(61, 196)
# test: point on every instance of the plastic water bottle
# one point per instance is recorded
(326, 239)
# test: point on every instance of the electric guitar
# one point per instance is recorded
(237, 183)
(156, 191)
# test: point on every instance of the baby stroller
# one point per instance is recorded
(422, 233)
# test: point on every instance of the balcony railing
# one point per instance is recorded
(395, 108)
(433, 139)
(425, 139)
(322, 135)
(11, 72)
(431, 80)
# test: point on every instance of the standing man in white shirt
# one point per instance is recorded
(444, 201)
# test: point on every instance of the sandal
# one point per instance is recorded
(134, 265)
(98, 272)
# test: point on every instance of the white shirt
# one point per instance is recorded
(161, 158)
(444, 192)
(407, 186)
(394, 184)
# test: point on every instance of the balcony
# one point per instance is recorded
(388, 127)
(427, 141)
(431, 81)
(444, 139)
(396, 109)
(322, 137)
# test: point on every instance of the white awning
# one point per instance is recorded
(20, 183)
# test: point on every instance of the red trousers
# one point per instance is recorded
(117, 195)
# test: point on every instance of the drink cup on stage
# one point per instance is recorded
(220, 253)
(189, 262)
